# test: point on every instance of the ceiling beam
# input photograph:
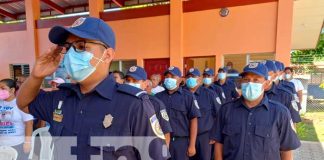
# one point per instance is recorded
(119, 3)
(7, 14)
(12, 1)
(54, 6)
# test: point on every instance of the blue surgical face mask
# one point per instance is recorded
(207, 81)
(137, 85)
(221, 76)
(191, 82)
(78, 65)
(288, 76)
(170, 83)
(252, 91)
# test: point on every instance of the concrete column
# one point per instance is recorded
(96, 7)
(32, 8)
(284, 31)
(176, 34)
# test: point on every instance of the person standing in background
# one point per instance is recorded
(156, 80)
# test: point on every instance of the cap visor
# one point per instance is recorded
(135, 76)
(59, 34)
(254, 72)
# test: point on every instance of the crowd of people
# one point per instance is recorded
(197, 115)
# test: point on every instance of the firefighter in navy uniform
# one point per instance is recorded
(94, 107)
(209, 104)
(254, 127)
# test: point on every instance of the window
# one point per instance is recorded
(122, 65)
(17, 70)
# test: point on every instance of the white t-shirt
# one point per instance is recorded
(298, 85)
(12, 126)
(157, 89)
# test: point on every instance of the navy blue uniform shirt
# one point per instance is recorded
(109, 110)
(181, 107)
(286, 98)
(219, 92)
(229, 89)
(209, 104)
(259, 133)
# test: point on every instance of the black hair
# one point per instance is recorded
(289, 68)
(9, 82)
(121, 74)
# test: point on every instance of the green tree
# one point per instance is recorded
(309, 56)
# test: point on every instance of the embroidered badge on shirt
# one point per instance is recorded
(57, 114)
(107, 120)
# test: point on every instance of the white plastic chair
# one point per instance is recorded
(8, 153)
(47, 148)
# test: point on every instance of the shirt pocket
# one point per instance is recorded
(206, 121)
(231, 136)
(179, 120)
(112, 142)
(262, 138)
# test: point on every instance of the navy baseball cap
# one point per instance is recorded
(223, 69)
(194, 72)
(208, 71)
(137, 73)
(256, 68)
(278, 65)
(174, 71)
(84, 27)
(270, 65)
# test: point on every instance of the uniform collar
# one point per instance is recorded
(218, 82)
(264, 102)
(104, 88)
(273, 89)
(198, 90)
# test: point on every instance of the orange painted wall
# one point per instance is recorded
(247, 29)
(14, 49)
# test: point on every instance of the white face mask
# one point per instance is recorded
(288, 76)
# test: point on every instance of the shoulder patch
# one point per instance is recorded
(156, 127)
(164, 114)
(294, 105)
(292, 125)
(218, 100)
(223, 95)
(196, 104)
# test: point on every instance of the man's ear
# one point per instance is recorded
(109, 55)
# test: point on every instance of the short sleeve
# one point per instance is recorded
(216, 131)
(300, 86)
(161, 114)
(25, 116)
(145, 124)
(287, 133)
(193, 107)
(42, 106)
